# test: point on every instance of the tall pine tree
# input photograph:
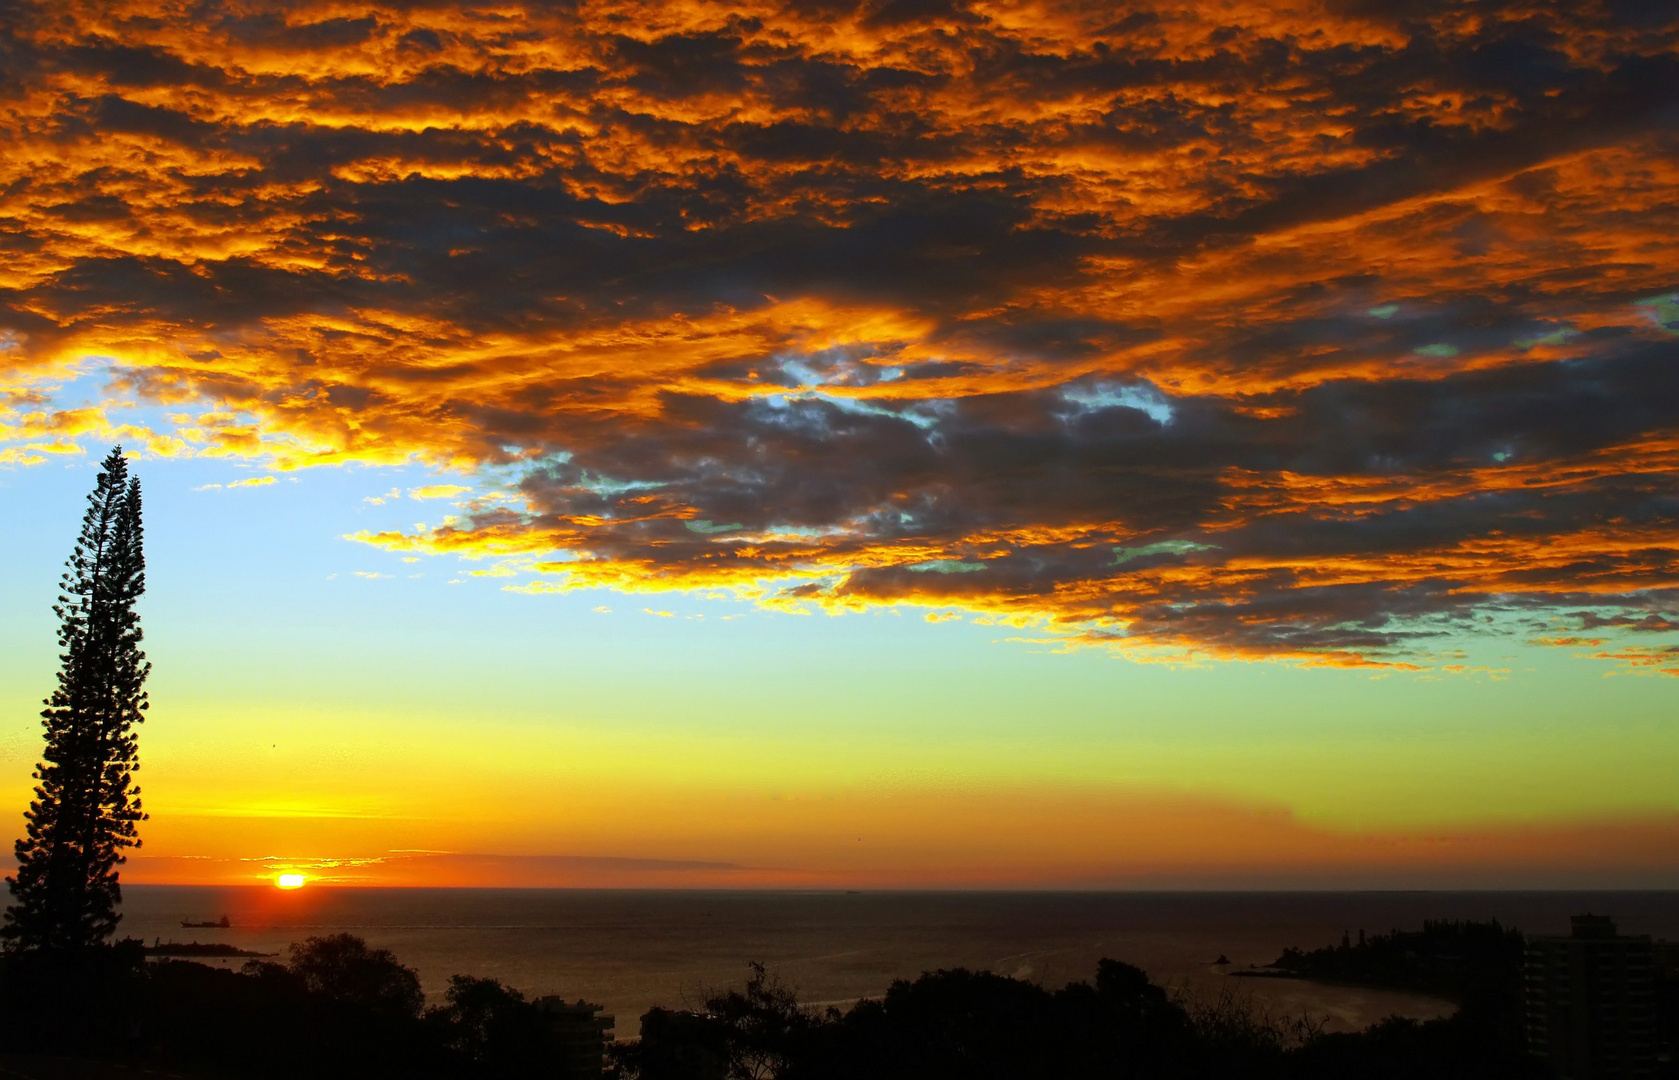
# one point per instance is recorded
(86, 806)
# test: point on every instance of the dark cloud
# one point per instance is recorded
(1393, 484)
(1322, 335)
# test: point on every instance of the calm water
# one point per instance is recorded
(632, 950)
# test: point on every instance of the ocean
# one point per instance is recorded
(631, 950)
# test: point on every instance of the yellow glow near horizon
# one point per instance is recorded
(289, 881)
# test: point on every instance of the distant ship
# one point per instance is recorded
(220, 924)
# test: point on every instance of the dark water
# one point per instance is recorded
(631, 950)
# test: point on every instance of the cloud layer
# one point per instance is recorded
(1147, 843)
(1328, 331)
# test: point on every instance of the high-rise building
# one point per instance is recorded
(1591, 1002)
(1667, 1009)
(580, 1033)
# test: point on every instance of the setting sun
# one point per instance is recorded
(289, 881)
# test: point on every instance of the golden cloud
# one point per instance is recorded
(437, 491)
(1253, 330)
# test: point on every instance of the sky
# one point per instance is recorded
(915, 444)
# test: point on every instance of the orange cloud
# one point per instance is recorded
(1252, 330)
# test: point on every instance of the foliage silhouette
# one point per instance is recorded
(81, 1001)
(267, 1021)
(342, 967)
(493, 1028)
(676, 1045)
(86, 808)
(333, 1017)
(765, 1023)
(965, 1025)
(340, 1009)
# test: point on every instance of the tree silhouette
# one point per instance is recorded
(342, 967)
(86, 807)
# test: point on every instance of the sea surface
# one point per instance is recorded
(631, 950)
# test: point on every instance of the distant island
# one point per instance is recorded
(1449, 959)
(193, 948)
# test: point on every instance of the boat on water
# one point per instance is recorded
(222, 923)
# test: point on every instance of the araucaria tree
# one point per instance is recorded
(86, 806)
